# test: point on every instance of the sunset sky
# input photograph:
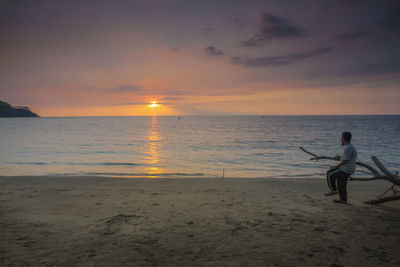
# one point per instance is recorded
(113, 58)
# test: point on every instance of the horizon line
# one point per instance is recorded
(200, 115)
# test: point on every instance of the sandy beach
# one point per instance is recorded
(96, 221)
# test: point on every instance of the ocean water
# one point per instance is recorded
(190, 146)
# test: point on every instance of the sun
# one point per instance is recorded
(153, 104)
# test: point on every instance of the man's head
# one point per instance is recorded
(346, 138)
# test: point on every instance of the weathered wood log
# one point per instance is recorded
(393, 178)
(380, 166)
(387, 175)
(337, 158)
(383, 199)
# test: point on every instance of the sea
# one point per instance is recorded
(191, 146)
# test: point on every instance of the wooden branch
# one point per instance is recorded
(391, 188)
(370, 168)
(380, 166)
(362, 171)
(394, 178)
(315, 157)
(383, 199)
(387, 175)
(308, 152)
(363, 178)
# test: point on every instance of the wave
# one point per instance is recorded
(108, 164)
(303, 175)
(28, 163)
(78, 163)
(147, 174)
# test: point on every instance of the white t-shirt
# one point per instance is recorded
(350, 154)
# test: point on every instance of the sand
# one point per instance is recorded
(97, 221)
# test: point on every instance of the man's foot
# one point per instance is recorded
(340, 201)
(331, 193)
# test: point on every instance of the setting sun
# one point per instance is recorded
(154, 104)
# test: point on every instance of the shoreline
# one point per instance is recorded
(176, 221)
(161, 177)
(154, 177)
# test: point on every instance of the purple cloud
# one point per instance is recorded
(124, 89)
(273, 27)
(277, 60)
(212, 51)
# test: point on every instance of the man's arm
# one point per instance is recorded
(340, 164)
(346, 158)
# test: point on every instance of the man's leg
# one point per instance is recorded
(342, 184)
(331, 178)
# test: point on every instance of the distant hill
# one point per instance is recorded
(6, 110)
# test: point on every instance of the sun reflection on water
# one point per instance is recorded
(153, 149)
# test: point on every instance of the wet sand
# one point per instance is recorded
(95, 221)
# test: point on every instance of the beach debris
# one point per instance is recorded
(383, 199)
(376, 175)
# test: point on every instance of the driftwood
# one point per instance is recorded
(375, 175)
(383, 199)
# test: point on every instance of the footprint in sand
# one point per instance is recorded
(319, 229)
(338, 249)
(120, 218)
(297, 220)
(29, 243)
(113, 223)
(91, 253)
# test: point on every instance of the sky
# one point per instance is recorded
(114, 57)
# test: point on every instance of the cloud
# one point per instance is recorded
(391, 19)
(174, 49)
(130, 104)
(388, 66)
(348, 36)
(238, 23)
(207, 30)
(212, 51)
(124, 89)
(277, 61)
(347, 3)
(273, 27)
(173, 98)
(138, 103)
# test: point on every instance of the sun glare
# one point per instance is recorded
(154, 104)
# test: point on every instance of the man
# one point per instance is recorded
(341, 172)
